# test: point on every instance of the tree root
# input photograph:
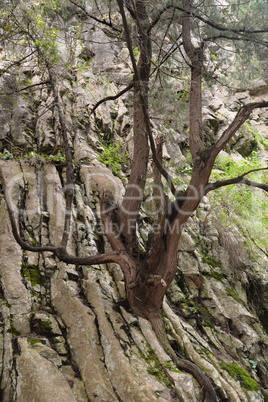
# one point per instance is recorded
(182, 364)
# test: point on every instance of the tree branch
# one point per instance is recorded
(206, 21)
(69, 163)
(17, 63)
(235, 180)
(113, 256)
(112, 97)
(104, 22)
(195, 55)
(241, 116)
(144, 109)
(15, 231)
(28, 87)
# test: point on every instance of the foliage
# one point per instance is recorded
(230, 292)
(33, 155)
(111, 157)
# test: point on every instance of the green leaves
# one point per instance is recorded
(112, 159)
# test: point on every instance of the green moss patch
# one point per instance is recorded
(13, 330)
(157, 369)
(34, 341)
(235, 296)
(212, 274)
(241, 375)
(32, 274)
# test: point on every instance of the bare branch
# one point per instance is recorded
(236, 38)
(128, 39)
(28, 87)
(102, 21)
(113, 256)
(195, 55)
(237, 180)
(17, 62)
(111, 97)
(144, 109)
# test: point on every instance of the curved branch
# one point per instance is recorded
(17, 63)
(113, 256)
(112, 97)
(237, 38)
(117, 256)
(28, 87)
(181, 363)
(195, 55)
(15, 231)
(235, 180)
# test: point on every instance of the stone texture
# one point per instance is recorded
(39, 379)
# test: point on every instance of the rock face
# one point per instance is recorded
(65, 334)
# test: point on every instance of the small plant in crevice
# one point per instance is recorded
(112, 159)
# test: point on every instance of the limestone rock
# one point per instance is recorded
(39, 379)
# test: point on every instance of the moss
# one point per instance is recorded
(180, 281)
(13, 330)
(241, 375)
(156, 368)
(213, 274)
(56, 340)
(205, 312)
(5, 303)
(34, 341)
(207, 323)
(46, 324)
(32, 274)
(209, 260)
(234, 295)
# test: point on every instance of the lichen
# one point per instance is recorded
(241, 375)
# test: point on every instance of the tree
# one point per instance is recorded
(147, 274)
